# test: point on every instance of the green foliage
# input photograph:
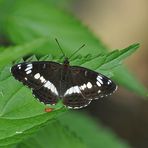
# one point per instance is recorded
(31, 26)
(106, 63)
(22, 112)
(53, 135)
(72, 131)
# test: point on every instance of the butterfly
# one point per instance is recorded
(50, 81)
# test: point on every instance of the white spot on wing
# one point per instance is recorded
(70, 91)
(77, 89)
(78, 107)
(86, 73)
(50, 86)
(100, 80)
(42, 79)
(87, 104)
(101, 96)
(99, 91)
(69, 107)
(37, 76)
(28, 72)
(99, 77)
(29, 65)
(109, 81)
(89, 85)
(98, 83)
(44, 66)
(28, 68)
(19, 66)
(47, 84)
(83, 87)
(74, 89)
(116, 88)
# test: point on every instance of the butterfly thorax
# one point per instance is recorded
(65, 69)
(66, 62)
(64, 75)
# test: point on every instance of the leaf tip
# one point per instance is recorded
(136, 45)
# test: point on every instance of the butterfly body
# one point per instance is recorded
(50, 81)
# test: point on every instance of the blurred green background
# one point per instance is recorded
(29, 27)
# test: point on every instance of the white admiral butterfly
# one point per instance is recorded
(50, 81)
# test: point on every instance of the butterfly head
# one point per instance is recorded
(66, 61)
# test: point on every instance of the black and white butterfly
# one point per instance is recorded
(50, 81)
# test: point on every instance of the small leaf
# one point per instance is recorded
(47, 58)
(117, 56)
(31, 58)
(109, 61)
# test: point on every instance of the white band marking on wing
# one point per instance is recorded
(50, 86)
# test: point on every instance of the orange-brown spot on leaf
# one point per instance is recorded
(47, 110)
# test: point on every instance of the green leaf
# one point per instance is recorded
(106, 63)
(93, 134)
(17, 109)
(74, 130)
(33, 24)
(54, 135)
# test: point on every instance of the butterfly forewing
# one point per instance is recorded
(35, 74)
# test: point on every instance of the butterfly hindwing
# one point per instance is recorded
(45, 95)
(76, 101)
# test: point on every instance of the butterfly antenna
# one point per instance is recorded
(60, 47)
(77, 50)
